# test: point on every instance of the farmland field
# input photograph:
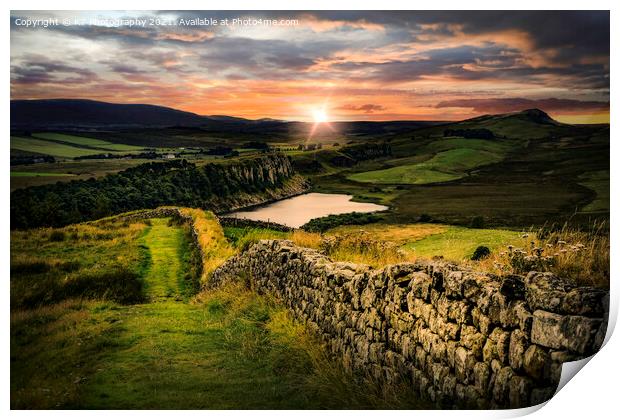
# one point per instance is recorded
(31, 174)
(598, 182)
(88, 142)
(29, 144)
(63, 171)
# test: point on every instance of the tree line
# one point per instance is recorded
(149, 185)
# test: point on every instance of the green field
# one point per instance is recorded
(444, 166)
(500, 147)
(598, 182)
(50, 173)
(30, 174)
(67, 146)
(458, 243)
(88, 142)
(29, 144)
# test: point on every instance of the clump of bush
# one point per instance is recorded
(119, 284)
(480, 253)
(323, 224)
(57, 236)
(425, 218)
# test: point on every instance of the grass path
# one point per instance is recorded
(171, 354)
(165, 271)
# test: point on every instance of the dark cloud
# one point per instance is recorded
(366, 108)
(580, 30)
(518, 104)
(125, 69)
(38, 69)
(478, 63)
(271, 59)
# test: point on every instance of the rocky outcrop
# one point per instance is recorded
(461, 338)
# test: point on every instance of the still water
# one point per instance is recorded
(296, 211)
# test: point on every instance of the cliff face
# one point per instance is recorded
(219, 187)
(255, 181)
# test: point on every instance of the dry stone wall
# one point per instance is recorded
(461, 338)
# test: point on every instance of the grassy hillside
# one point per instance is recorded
(545, 172)
(92, 348)
(447, 165)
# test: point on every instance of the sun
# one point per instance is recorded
(319, 116)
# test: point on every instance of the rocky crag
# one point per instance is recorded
(462, 339)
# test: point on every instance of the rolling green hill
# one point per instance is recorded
(527, 170)
(447, 165)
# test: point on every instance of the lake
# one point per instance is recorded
(296, 211)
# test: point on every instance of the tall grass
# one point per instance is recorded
(580, 255)
(362, 248)
(258, 327)
(210, 234)
(91, 261)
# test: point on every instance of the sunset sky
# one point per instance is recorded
(350, 65)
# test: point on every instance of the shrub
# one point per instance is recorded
(322, 224)
(57, 236)
(29, 266)
(481, 253)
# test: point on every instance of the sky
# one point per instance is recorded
(337, 65)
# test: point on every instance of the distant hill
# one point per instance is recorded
(533, 115)
(527, 124)
(82, 113)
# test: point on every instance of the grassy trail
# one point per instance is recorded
(165, 272)
(171, 354)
